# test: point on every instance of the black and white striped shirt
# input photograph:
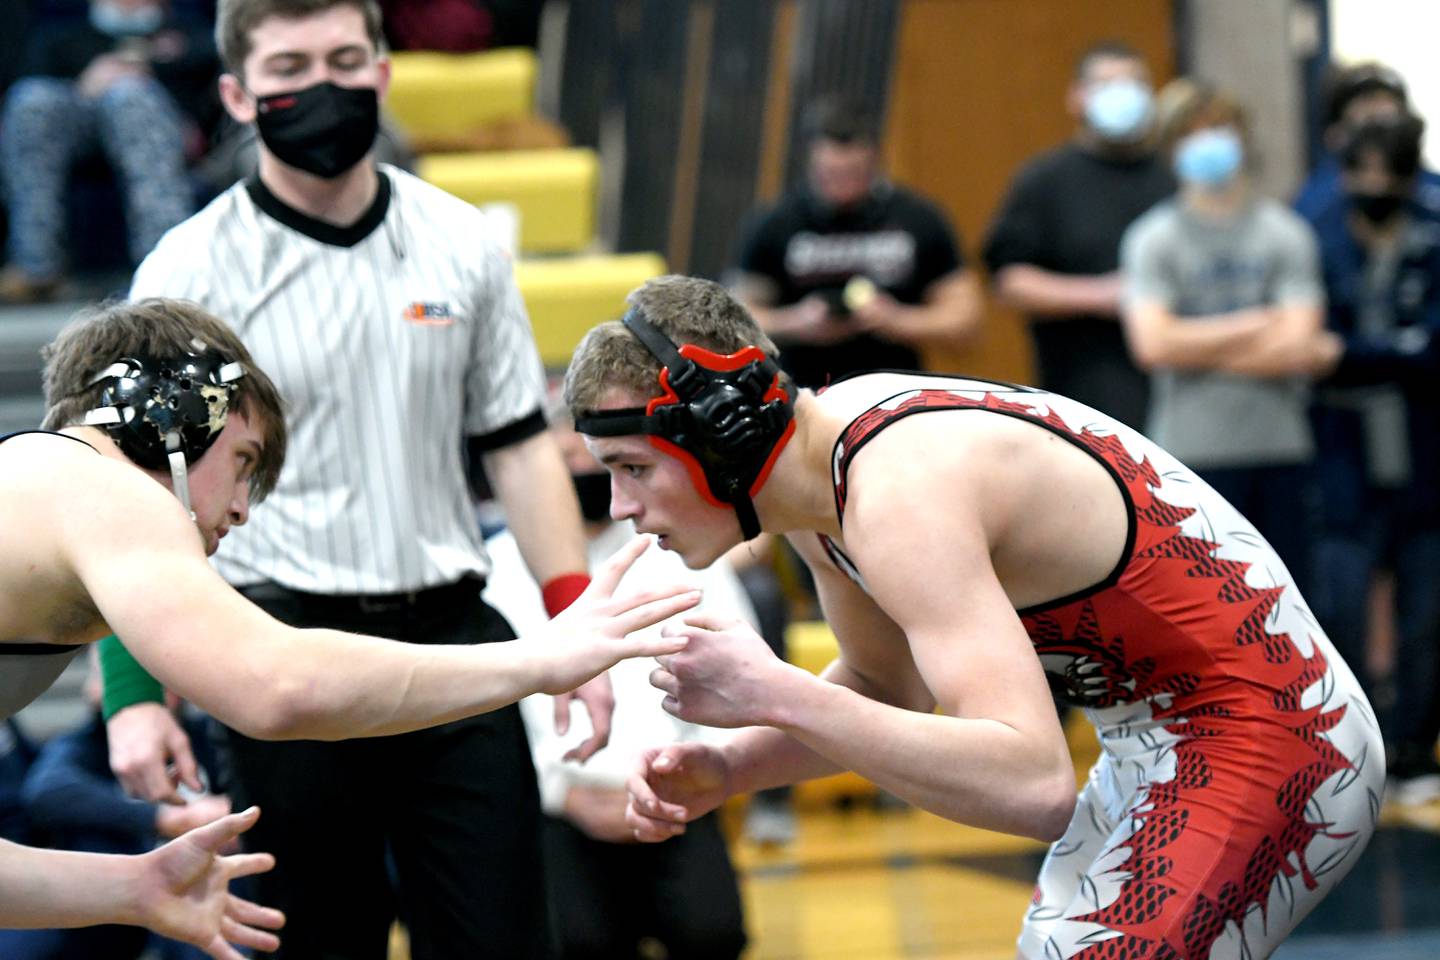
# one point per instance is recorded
(390, 340)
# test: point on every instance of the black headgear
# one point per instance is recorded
(727, 417)
(166, 411)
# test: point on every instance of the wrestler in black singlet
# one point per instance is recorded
(28, 669)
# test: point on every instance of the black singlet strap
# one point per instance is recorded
(37, 649)
(53, 433)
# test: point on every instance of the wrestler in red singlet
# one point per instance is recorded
(1241, 767)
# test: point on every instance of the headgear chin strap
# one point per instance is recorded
(167, 411)
(726, 417)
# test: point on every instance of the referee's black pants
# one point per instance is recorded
(607, 897)
(455, 807)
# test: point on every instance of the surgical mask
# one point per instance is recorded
(325, 129)
(593, 491)
(1120, 110)
(1209, 158)
(1377, 207)
(117, 21)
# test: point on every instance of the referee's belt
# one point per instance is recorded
(447, 596)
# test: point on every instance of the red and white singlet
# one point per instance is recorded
(1241, 767)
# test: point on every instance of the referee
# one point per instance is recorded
(393, 327)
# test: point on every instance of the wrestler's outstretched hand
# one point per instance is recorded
(672, 785)
(594, 633)
(184, 892)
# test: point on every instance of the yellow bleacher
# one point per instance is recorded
(569, 295)
(446, 98)
(553, 191)
(447, 94)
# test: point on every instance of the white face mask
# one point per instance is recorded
(117, 21)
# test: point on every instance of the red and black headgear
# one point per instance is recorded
(727, 417)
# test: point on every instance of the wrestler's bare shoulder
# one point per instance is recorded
(36, 453)
(951, 438)
(41, 599)
(51, 465)
(46, 483)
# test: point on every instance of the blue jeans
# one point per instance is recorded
(92, 943)
(47, 127)
(1345, 564)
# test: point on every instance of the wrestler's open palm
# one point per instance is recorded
(672, 785)
(184, 892)
(595, 632)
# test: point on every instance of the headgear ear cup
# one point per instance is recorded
(166, 411)
(726, 416)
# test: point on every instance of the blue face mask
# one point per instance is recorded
(118, 21)
(1209, 158)
(1120, 110)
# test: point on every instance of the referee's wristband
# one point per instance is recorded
(559, 592)
(125, 682)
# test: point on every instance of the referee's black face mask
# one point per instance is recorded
(325, 129)
(593, 491)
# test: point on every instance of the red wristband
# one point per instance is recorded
(559, 592)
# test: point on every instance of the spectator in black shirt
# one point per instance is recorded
(132, 82)
(850, 272)
(1054, 250)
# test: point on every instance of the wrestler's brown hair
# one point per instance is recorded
(685, 309)
(98, 336)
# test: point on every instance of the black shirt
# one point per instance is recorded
(1066, 213)
(897, 239)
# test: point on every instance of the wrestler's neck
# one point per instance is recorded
(107, 447)
(98, 439)
(339, 201)
(799, 494)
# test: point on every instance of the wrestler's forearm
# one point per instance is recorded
(328, 685)
(758, 758)
(405, 687)
(763, 757)
(976, 771)
(57, 889)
